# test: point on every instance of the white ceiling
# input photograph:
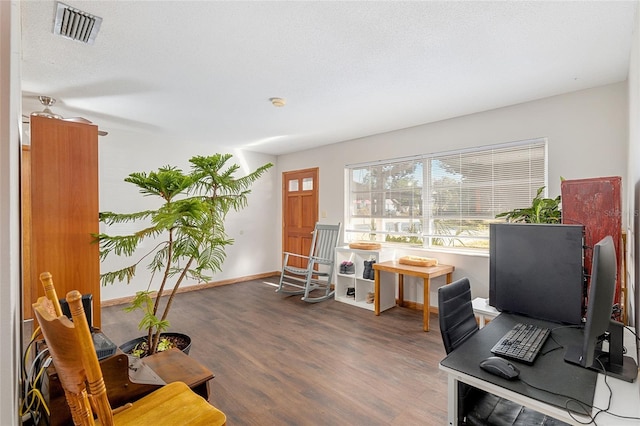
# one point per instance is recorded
(204, 71)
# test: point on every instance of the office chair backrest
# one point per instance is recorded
(455, 313)
(71, 347)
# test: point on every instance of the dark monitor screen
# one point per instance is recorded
(599, 325)
(537, 270)
(601, 296)
(87, 304)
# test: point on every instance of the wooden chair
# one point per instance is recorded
(50, 291)
(71, 347)
(317, 272)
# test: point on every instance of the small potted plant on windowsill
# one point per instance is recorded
(187, 228)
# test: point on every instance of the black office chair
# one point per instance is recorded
(477, 407)
(455, 314)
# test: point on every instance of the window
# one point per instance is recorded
(444, 199)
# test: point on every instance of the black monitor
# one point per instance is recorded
(599, 325)
(537, 270)
(87, 304)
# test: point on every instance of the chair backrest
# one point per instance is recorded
(455, 313)
(325, 240)
(61, 306)
(50, 291)
(75, 359)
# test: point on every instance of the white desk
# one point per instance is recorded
(625, 400)
(483, 310)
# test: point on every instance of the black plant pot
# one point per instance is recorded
(127, 347)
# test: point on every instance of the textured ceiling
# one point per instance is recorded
(204, 71)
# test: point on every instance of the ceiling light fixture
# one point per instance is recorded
(47, 101)
(278, 102)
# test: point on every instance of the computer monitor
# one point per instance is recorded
(537, 270)
(599, 325)
(87, 304)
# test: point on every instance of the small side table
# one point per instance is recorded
(483, 310)
(174, 366)
(425, 272)
(171, 366)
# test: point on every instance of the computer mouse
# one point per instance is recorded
(500, 367)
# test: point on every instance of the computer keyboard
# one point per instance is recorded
(522, 343)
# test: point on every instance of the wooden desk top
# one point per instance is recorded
(173, 365)
(418, 271)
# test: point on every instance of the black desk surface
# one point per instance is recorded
(563, 383)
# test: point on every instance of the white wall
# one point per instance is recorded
(145, 153)
(633, 175)
(10, 294)
(586, 131)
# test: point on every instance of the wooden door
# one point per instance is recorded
(64, 208)
(299, 211)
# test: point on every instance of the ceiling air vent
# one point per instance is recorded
(76, 24)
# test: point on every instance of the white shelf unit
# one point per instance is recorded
(363, 286)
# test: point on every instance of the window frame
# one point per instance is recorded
(378, 192)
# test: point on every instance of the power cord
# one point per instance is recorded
(559, 346)
(33, 403)
(586, 408)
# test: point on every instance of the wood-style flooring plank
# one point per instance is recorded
(280, 361)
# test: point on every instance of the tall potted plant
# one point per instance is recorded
(187, 228)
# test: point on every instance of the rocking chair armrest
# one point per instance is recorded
(321, 260)
(287, 254)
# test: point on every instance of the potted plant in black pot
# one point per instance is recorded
(188, 233)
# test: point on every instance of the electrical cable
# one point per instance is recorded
(587, 409)
(27, 351)
(33, 397)
(559, 346)
(32, 401)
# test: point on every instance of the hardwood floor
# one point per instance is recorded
(281, 361)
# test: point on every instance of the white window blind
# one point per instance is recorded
(444, 199)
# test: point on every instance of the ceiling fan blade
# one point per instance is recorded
(48, 101)
(78, 120)
(30, 99)
(84, 120)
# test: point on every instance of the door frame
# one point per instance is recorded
(315, 174)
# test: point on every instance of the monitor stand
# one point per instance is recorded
(615, 363)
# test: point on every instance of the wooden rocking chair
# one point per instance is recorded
(71, 347)
(318, 272)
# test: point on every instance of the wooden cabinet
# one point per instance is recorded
(595, 203)
(63, 209)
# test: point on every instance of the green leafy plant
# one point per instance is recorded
(187, 229)
(542, 210)
(142, 348)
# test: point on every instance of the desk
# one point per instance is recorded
(425, 272)
(549, 371)
(171, 366)
(174, 366)
(483, 310)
